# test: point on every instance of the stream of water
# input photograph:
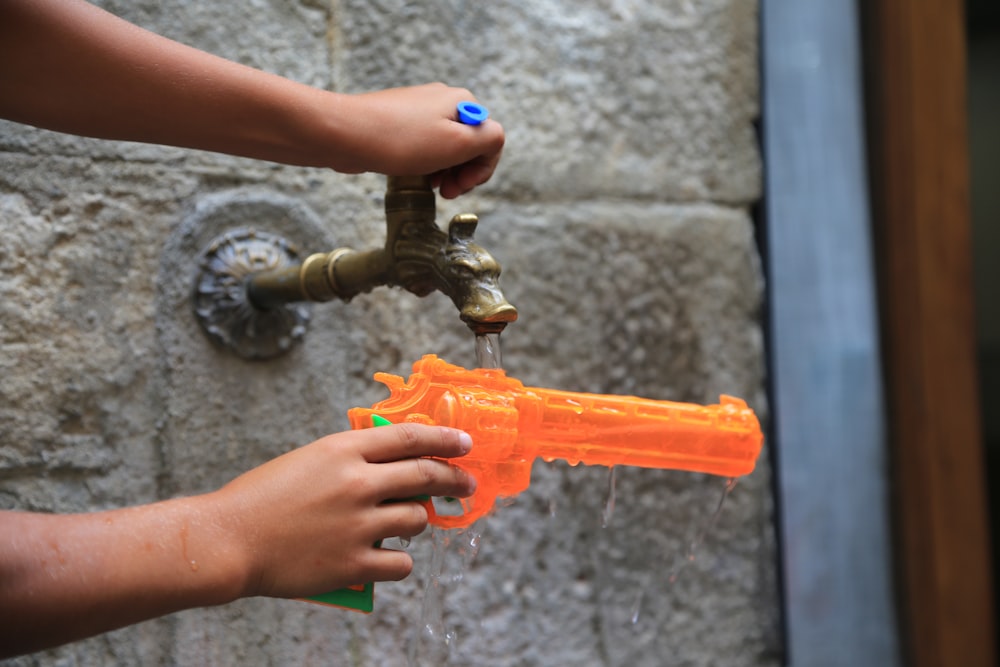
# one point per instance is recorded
(680, 561)
(488, 351)
(453, 552)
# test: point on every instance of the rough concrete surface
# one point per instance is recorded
(621, 215)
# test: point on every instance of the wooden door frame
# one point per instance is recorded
(915, 54)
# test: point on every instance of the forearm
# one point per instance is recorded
(66, 65)
(72, 67)
(303, 523)
(65, 577)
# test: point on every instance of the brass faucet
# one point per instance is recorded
(418, 256)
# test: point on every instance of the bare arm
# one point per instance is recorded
(69, 66)
(302, 524)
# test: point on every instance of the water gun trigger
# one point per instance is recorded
(428, 504)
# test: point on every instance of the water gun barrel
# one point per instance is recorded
(595, 429)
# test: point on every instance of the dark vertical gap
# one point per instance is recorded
(983, 39)
(868, 17)
(758, 213)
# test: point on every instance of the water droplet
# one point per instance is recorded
(637, 605)
(699, 538)
(609, 503)
(452, 553)
(474, 541)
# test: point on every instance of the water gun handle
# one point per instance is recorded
(361, 597)
(433, 517)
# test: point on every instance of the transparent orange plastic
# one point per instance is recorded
(511, 425)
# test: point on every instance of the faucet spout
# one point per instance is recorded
(424, 258)
(471, 278)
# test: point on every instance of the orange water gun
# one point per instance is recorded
(511, 425)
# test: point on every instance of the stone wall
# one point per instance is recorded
(621, 215)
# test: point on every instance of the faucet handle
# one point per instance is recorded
(409, 182)
(462, 227)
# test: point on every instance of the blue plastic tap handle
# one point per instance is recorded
(471, 113)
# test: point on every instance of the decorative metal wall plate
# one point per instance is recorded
(220, 297)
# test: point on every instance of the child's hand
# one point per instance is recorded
(415, 131)
(307, 521)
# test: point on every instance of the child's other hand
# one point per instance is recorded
(307, 521)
